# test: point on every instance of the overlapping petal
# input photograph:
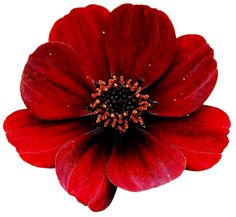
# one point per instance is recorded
(201, 137)
(140, 42)
(189, 81)
(140, 162)
(81, 169)
(52, 85)
(137, 42)
(83, 30)
(38, 141)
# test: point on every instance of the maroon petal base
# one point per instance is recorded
(81, 170)
(38, 141)
(140, 162)
(189, 81)
(201, 137)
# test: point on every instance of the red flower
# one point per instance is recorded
(115, 100)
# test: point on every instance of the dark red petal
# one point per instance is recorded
(52, 85)
(81, 170)
(140, 42)
(201, 137)
(189, 81)
(141, 162)
(83, 30)
(38, 141)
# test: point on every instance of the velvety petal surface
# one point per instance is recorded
(52, 85)
(37, 141)
(81, 170)
(83, 30)
(140, 162)
(140, 42)
(189, 81)
(201, 137)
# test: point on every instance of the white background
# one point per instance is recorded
(29, 191)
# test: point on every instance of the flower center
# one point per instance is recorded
(119, 104)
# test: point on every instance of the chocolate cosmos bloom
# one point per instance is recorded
(114, 99)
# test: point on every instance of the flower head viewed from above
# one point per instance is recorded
(114, 99)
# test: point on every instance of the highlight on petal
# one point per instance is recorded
(140, 162)
(37, 141)
(189, 81)
(140, 42)
(84, 30)
(81, 170)
(201, 137)
(52, 85)
(91, 88)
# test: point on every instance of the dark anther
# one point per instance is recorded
(140, 81)
(96, 84)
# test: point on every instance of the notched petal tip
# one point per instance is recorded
(201, 136)
(47, 96)
(134, 35)
(83, 30)
(37, 141)
(189, 81)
